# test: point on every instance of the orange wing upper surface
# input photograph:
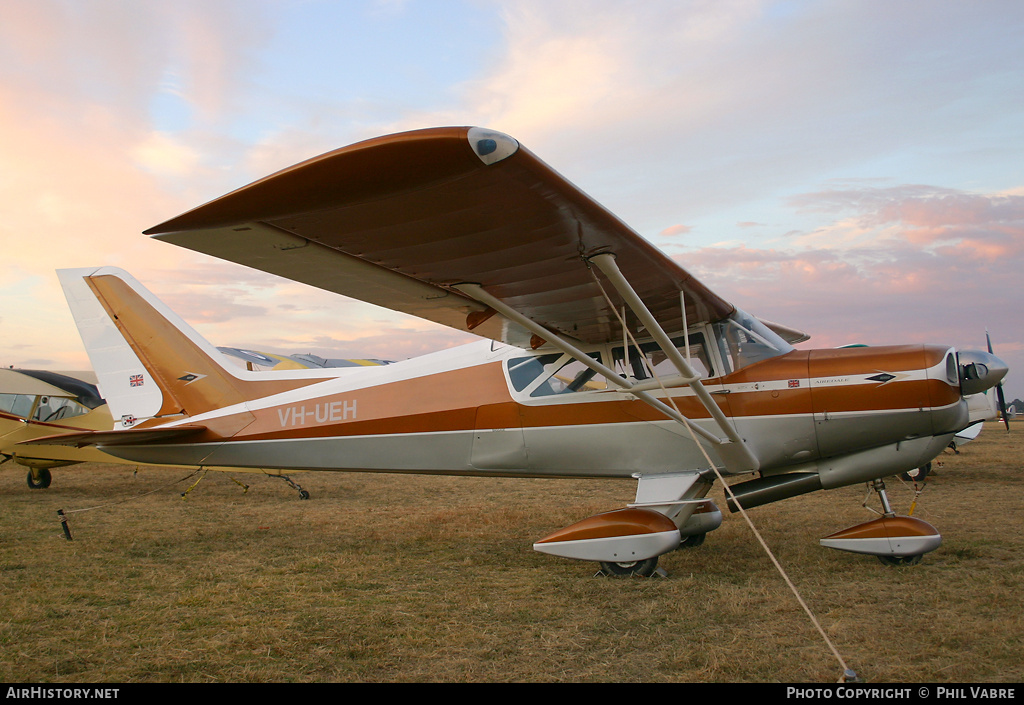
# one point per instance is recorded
(397, 220)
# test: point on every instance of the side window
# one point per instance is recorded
(571, 376)
(650, 360)
(17, 404)
(57, 408)
(555, 373)
(524, 370)
(48, 408)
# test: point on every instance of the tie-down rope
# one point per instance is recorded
(847, 672)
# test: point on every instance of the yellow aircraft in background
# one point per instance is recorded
(38, 403)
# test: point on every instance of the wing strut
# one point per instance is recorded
(606, 262)
(475, 291)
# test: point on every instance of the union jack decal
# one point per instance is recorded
(794, 383)
(136, 380)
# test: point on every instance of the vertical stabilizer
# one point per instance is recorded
(149, 362)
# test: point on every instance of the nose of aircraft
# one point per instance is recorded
(979, 371)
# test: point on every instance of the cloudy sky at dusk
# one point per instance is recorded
(853, 168)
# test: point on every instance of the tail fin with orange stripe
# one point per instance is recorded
(149, 362)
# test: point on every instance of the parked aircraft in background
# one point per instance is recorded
(35, 403)
(38, 403)
(255, 360)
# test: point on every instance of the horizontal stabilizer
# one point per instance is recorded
(133, 436)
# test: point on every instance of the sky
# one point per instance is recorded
(854, 169)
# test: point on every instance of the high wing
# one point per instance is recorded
(53, 384)
(400, 220)
(255, 359)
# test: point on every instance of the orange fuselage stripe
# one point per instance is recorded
(478, 398)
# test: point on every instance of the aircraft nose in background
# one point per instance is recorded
(980, 370)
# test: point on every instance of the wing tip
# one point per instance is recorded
(491, 146)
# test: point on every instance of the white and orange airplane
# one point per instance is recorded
(600, 356)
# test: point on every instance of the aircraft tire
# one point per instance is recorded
(898, 561)
(918, 475)
(693, 540)
(45, 478)
(644, 569)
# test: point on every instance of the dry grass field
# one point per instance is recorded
(406, 578)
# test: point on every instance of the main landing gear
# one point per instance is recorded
(919, 474)
(647, 568)
(693, 540)
(644, 569)
(898, 561)
(879, 487)
(39, 479)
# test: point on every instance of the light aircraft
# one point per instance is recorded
(980, 407)
(600, 356)
(256, 360)
(37, 403)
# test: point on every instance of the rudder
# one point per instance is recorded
(150, 363)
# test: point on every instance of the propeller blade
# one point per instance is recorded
(999, 388)
(1002, 406)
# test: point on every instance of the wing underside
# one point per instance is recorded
(399, 221)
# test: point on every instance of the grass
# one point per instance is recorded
(407, 578)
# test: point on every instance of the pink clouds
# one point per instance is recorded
(954, 209)
(917, 207)
(82, 170)
(926, 265)
(118, 115)
(675, 230)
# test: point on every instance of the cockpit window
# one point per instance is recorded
(555, 373)
(523, 370)
(41, 408)
(650, 361)
(17, 404)
(744, 340)
(57, 408)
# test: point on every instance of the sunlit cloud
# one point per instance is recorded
(888, 284)
(863, 190)
(162, 154)
(674, 230)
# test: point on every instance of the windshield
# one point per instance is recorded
(744, 340)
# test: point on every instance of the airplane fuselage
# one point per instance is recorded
(846, 415)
